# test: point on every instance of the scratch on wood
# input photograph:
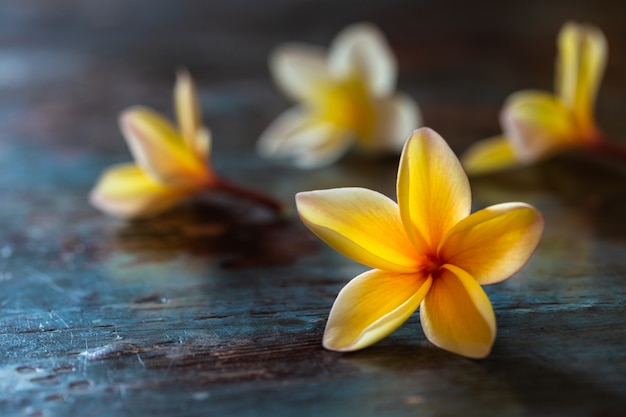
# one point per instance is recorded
(111, 351)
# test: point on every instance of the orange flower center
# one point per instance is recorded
(433, 266)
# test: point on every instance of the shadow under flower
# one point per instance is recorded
(590, 186)
(440, 383)
(216, 229)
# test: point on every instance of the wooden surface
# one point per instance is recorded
(218, 309)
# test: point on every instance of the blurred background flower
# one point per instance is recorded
(537, 124)
(346, 95)
(70, 275)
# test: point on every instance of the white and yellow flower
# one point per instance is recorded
(345, 96)
(537, 124)
(427, 251)
(171, 162)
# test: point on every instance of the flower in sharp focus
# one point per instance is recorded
(427, 251)
(345, 96)
(171, 162)
(537, 124)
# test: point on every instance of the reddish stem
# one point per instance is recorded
(248, 194)
(610, 148)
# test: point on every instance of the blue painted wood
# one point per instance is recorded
(218, 308)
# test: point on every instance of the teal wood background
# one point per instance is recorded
(218, 309)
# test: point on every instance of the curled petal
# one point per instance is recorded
(581, 64)
(567, 65)
(337, 141)
(494, 243)
(361, 224)
(361, 51)
(275, 140)
(308, 143)
(537, 124)
(372, 306)
(592, 64)
(299, 70)
(489, 155)
(396, 117)
(158, 149)
(126, 191)
(188, 111)
(457, 316)
(433, 190)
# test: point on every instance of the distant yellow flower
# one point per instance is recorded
(537, 124)
(171, 163)
(427, 251)
(345, 96)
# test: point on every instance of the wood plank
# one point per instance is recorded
(218, 308)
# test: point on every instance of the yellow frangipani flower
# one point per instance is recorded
(537, 124)
(427, 251)
(345, 96)
(171, 163)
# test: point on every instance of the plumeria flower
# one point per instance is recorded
(537, 124)
(427, 251)
(345, 97)
(171, 162)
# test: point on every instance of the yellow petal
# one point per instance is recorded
(568, 61)
(331, 143)
(361, 224)
(187, 110)
(494, 243)
(308, 144)
(457, 316)
(126, 191)
(372, 306)
(433, 190)
(275, 141)
(581, 64)
(538, 124)
(158, 149)
(361, 51)
(395, 119)
(592, 64)
(489, 155)
(299, 70)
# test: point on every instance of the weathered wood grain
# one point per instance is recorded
(218, 308)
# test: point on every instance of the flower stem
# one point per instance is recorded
(610, 148)
(248, 194)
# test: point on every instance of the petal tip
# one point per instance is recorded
(329, 344)
(183, 75)
(488, 156)
(473, 351)
(129, 115)
(480, 353)
(421, 131)
(303, 197)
